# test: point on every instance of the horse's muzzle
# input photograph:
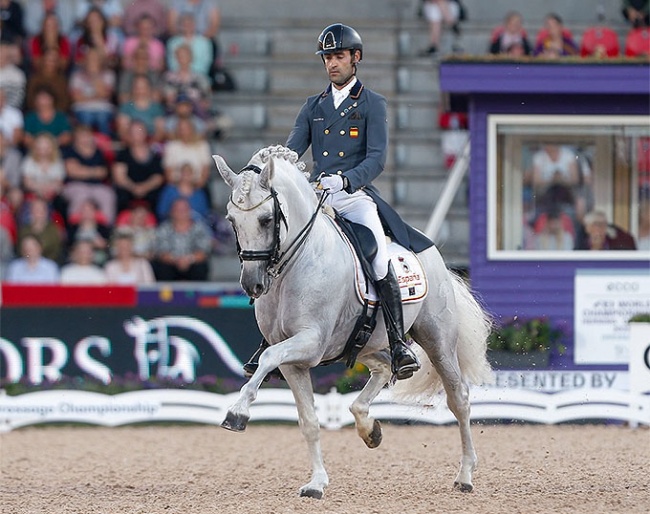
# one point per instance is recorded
(255, 280)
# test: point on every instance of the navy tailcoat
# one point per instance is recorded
(352, 141)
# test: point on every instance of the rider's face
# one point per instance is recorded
(340, 66)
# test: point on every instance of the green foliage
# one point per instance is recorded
(526, 336)
(642, 317)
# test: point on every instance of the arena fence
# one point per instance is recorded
(277, 405)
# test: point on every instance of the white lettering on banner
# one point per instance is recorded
(554, 381)
(87, 363)
(157, 351)
(37, 368)
(604, 303)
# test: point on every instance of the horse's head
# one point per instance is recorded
(257, 216)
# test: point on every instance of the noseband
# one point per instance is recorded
(273, 254)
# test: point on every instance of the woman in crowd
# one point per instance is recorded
(43, 171)
(50, 38)
(144, 38)
(95, 34)
(142, 107)
(89, 224)
(41, 226)
(187, 148)
(49, 75)
(32, 267)
(92, 86)
(46, 118)
(137, 171)
(126, 267)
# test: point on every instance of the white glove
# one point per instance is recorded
(332, 183)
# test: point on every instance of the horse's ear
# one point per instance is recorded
(227, 174)
(267, 174)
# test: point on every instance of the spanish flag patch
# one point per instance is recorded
(354, 132)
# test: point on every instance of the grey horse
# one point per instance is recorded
(301, 273)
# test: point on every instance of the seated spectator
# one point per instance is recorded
(156, 9)
(49, 75)
(126, 267)
(187, 148)
(144, 38)
(182, 246)
(140, 67)
(13, 26)
(32, 267)
(6, 252)
(187, 84)
(12, 78)
(43, 171)
(202, 52)
(186, 188)
(45, 118)
(111, 10)
(207, 20)
(144, 108)
(92, 86)
(11, 122)
(511, 38)
(81, 270)
(89, 224)
(87, 174)
(184, 109)
(439, 13)
(50, 37)
(137, 171)
(554, 40)
(41, 226)
(36, 10)
(95, 34)
(553, 235)
(636, 12)
(598, 234)
(142, 224)
(10, 159)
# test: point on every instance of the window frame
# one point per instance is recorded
(493, 227)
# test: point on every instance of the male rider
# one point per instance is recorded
(347, 128)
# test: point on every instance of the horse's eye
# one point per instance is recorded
(266, 221)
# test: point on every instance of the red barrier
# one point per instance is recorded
(68, 296)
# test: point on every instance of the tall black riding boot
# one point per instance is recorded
(404, 361)
(253, 363)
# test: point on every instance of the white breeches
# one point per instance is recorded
(359, 208)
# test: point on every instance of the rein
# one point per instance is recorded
(273, 254)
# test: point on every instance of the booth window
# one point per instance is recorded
(561, 187)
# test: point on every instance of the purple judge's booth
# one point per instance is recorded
(559, 150)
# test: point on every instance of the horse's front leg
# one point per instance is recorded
(299, 380)
(299, 349)
(369, 429)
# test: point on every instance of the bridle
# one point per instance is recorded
(273, 255)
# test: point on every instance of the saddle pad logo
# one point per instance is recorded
(354, 132)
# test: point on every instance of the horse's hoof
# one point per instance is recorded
(235, 422)
(312, 493)
(374, 438)
(463, 488)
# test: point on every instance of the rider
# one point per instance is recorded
(347, 128)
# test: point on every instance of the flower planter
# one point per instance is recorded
(500, 359)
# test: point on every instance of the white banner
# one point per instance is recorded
(604, 303)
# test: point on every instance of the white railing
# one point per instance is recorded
(57, 406)
(458, 170)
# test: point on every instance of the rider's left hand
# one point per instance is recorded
(332, 183)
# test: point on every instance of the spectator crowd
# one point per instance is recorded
(106, 108)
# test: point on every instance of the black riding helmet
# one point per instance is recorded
(339, 37)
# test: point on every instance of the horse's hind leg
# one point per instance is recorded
(439, 341)
(369, 429)
(299, 381)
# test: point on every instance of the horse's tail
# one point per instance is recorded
(474, 326)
